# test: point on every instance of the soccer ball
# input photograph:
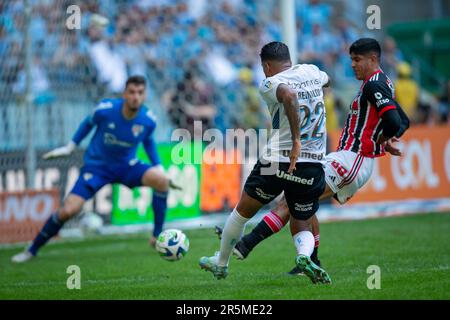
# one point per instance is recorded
(172, 244)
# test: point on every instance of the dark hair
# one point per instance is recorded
(365, 45)
(138, 80)
(276, 51)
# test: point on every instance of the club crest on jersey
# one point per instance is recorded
(390, 85)
(112, 126)
(137, 129)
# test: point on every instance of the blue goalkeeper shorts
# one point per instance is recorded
(92, 177)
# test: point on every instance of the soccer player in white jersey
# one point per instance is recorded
(374, 118)
(291, 163)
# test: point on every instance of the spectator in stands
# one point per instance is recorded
(40, 86)
(407, 91)
(158, 38)
(190, 101)
(314, 12)
(319, 48)
(110, 66)
(253, 116)
(391, 56)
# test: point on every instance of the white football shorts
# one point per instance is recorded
(346, 172)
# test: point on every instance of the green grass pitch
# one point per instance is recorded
(412, 252)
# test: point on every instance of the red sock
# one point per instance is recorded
(316, 240)
(274, 222)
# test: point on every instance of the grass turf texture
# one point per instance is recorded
(412, 252)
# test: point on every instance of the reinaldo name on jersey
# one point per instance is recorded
(307, 80)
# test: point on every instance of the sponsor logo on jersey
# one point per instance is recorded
(383, 101)
(304, 84)
(109, 138)
(290, 177)
(137, 129)
(305, 155)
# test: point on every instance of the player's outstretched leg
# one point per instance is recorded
(232, 232)
(72, 206)
(271, 223)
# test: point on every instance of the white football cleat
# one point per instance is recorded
(22, 257)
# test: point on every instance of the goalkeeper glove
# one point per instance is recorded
(61, 151)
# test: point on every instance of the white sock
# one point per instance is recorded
(232, 233)
(304, 243)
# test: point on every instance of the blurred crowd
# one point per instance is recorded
(200, 57)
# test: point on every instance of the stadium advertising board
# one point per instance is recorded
(23, 213)
(221, 183)
(134, 206)
(60, 173)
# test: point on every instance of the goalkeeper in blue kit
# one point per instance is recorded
(121, 125)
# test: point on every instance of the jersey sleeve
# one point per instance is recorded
(149, 142)
(268, 90)
(99, 110)
(379, 95)
(83, 130)
(91, 120)
(321, 75)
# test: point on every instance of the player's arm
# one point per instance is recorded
(82, 131)
(404, 119)
(150, 148)
(389, 146)
(288, 98)
(380, 96)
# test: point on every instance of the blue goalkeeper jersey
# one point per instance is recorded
(116, 139)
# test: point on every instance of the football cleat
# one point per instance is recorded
(315, 273)
(240, 251)
(22, 257)
(210, 264)
(295, 271)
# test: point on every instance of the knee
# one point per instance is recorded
(162, 184)
(67, 212)
(245, 211)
